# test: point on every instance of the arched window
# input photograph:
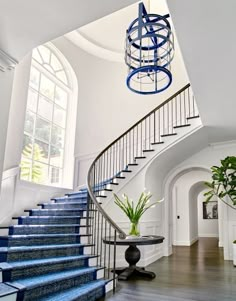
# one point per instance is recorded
(46, 118)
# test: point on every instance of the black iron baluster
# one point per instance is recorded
(189, 110)
(193, 107)
(98, 228)
(185, 120)
(109, 254)
(105, 250)
(114, 262)
(101, 242)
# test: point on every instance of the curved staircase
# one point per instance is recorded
(57, 252)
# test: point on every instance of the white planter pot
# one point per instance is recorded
(234, 254)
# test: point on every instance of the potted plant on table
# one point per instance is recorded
(133, 212)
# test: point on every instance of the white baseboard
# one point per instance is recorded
(208, 235)
(167, 251)
(152, 258)
(187, 243)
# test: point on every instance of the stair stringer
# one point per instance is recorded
(150, 157)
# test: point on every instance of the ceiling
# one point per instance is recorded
(106, 37)
(26, 24)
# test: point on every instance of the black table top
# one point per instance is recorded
(140, 240)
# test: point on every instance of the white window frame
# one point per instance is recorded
(69, 90)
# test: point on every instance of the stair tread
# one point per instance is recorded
(36, 281)
(157, 142)
(170, 134)
(49, 226)
(41, 247)
(56, 209)
(192, 117)
(6, 290)
(43, 235)
(32, 262)
(75, 292)
(181, 125)
(64, 203)
(51, 216)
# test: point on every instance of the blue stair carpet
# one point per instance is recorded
(43, 256)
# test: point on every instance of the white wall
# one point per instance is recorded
(206, 227)
(16, 121)
(6, 82)
(106, 107)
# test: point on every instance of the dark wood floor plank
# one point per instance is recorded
(196, 273)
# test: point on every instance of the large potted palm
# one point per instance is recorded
(223, 186)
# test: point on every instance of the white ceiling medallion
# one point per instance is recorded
(6, 61)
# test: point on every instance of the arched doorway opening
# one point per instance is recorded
(184, 209)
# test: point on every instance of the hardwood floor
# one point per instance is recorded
(196, 273)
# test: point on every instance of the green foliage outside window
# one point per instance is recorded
(28, 171)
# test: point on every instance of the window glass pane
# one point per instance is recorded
(56, 65)
(56, 156)
(58, 135)
(45, 108)
(55, 175)
(62, 76)
(29, 122)
(32, 100)
(61, 97)
(36, 56)
(47, 87)
(26, 169)
(59, 116)
(45, 53)
(40, 151)
(27, 147)
(34, 78)
(39, 172)
(42, 129)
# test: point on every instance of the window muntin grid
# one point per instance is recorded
(45, 124)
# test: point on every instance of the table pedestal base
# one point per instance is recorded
(125, 273)
(132, 256)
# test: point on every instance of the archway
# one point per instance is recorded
(188, 183)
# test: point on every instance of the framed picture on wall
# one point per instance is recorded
(210, 210)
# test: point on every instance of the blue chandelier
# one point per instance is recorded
(149, 52)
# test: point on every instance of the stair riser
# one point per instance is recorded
(56, 213)
(82, 198)
(65, 206)
(37, 254)
(36, 241)
(74, 200)
(11, 275)
(49, 221)
(46, 230)
(58, 286)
